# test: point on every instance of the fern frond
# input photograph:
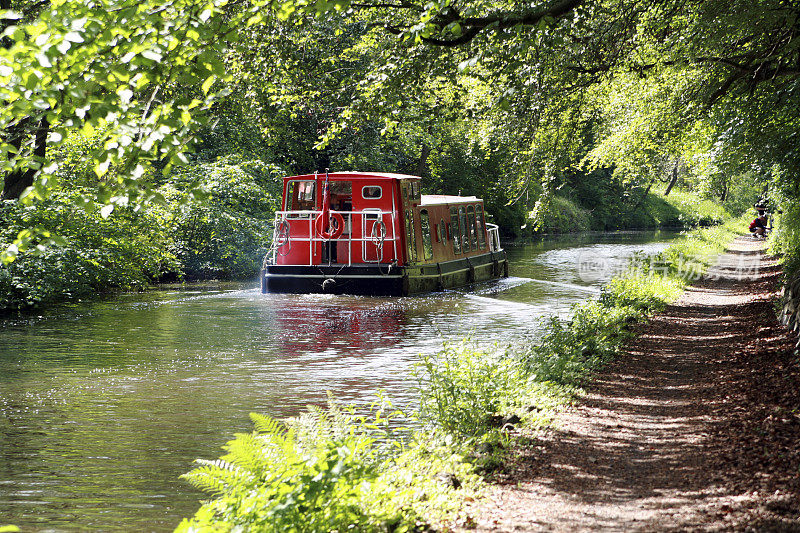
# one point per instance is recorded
(265, 456)
(265, 424)
(217, 476)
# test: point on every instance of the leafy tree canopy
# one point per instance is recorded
(553, 88)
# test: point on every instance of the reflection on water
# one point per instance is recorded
(103, 405)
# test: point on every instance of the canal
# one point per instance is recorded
(104, 404)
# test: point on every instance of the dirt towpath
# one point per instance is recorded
(695, 427)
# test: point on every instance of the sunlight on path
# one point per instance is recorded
(632, 455)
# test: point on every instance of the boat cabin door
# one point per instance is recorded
(374, 231)
(340, 195)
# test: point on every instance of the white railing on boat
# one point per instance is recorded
(494, 237)
(281, 236)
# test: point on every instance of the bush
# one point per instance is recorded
(272, 480)
(126, 251)
(565, 216)
(785, 241)
(461, 387)
(227, 236)
(568, 350)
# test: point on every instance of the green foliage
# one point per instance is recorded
(691, 209)
(602, 205)
(564, 216)
(135, 76)
(785, 240)
(325, 471)
(741, 192)
(227, 236)
(460, 387)
(642, 291)
(97, 253)
(269, 481)
(569, 350)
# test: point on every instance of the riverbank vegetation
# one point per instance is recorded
(334, 470)
(173, 238)
(785, 241)
(681, 209)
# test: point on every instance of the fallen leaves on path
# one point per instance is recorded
(695, 427)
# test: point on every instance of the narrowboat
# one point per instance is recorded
(372, 233)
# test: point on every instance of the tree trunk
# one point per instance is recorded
(422, 162)
(15, 182)
(6, 42)
(644, 196)
(674, 178)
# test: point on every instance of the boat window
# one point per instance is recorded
(442, 231)
(471, 227)
(341, 198)
(342, 189)
(455, 231)
(465, 233)
(300, 196)
(427, 245)
(410, 190)
(371, 192)
(411, 237)
(481, 226)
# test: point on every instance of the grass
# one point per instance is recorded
(335, 471)
(681, 209)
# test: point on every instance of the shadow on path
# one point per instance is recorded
(696, 426)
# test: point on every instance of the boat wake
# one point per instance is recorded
(500, 305)
(505, 284)
(573, 286)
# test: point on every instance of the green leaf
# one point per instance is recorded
(208, 83)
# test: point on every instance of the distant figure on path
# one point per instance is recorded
(758, 227)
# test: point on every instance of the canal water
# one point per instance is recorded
(104, 404)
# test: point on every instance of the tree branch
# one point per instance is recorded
(473, 26)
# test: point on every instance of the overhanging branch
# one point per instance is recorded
(471, 27)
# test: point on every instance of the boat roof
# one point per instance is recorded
(440, 199)
(425, 199)
(356, 175)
